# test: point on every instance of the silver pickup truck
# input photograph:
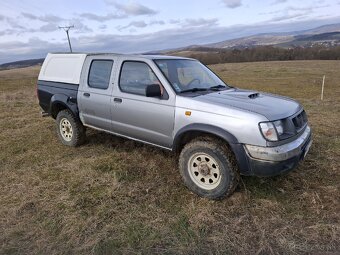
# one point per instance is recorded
(178, 104)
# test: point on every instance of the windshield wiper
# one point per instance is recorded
(217, 87)
(193, 90)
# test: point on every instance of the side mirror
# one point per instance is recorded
(153, 90)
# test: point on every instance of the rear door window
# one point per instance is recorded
(100, 73)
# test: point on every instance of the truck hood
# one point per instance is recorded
(273, 107)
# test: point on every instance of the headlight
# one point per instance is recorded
(268, 131)
(272, 130)
(279, 127)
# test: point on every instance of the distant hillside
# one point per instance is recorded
(322, 29)
(253, 41)
(328, 35)
(284, 39)
(22, 63)
(317, 43)
(329, 39)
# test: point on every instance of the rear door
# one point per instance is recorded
(94, 95)
(149, 119)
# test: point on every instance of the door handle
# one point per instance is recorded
(86, 94)
(117, 100)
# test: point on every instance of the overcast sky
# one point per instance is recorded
(29, 29)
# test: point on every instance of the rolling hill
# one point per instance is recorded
(328, 34)
(22, 63)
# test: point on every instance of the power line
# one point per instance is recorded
(66, 29)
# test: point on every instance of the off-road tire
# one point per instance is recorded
(78, 130)
(221, 154)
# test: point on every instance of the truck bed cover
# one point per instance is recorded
(62, 68)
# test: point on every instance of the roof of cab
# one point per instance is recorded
(147, 56)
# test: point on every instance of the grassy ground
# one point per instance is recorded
(114, 196)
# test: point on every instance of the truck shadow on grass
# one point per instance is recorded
(121, 144)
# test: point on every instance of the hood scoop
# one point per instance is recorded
(254, 95)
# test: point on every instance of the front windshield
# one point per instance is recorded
(189, 75)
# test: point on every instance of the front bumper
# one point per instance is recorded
(270, 161)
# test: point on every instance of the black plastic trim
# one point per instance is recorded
(271, 168)
(265, 168)
(241, 158)
(204, 128)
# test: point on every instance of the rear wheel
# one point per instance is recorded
(208, 168)
(70, 130)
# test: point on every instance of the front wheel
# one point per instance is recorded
(208, 169)
(70, 130)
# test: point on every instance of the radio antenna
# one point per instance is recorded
(66, 29)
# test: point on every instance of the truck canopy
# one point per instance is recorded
(65, 68)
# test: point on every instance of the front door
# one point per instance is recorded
(149, 119)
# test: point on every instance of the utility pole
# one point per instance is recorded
(66, 29)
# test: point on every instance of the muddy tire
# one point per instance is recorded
(70, 130)
(208, 168)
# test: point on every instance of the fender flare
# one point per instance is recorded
(206, 128)
(65, 101)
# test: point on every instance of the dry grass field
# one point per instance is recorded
(115, 196)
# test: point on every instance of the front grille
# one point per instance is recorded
(300, 120)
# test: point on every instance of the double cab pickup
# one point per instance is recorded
(217, 131)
